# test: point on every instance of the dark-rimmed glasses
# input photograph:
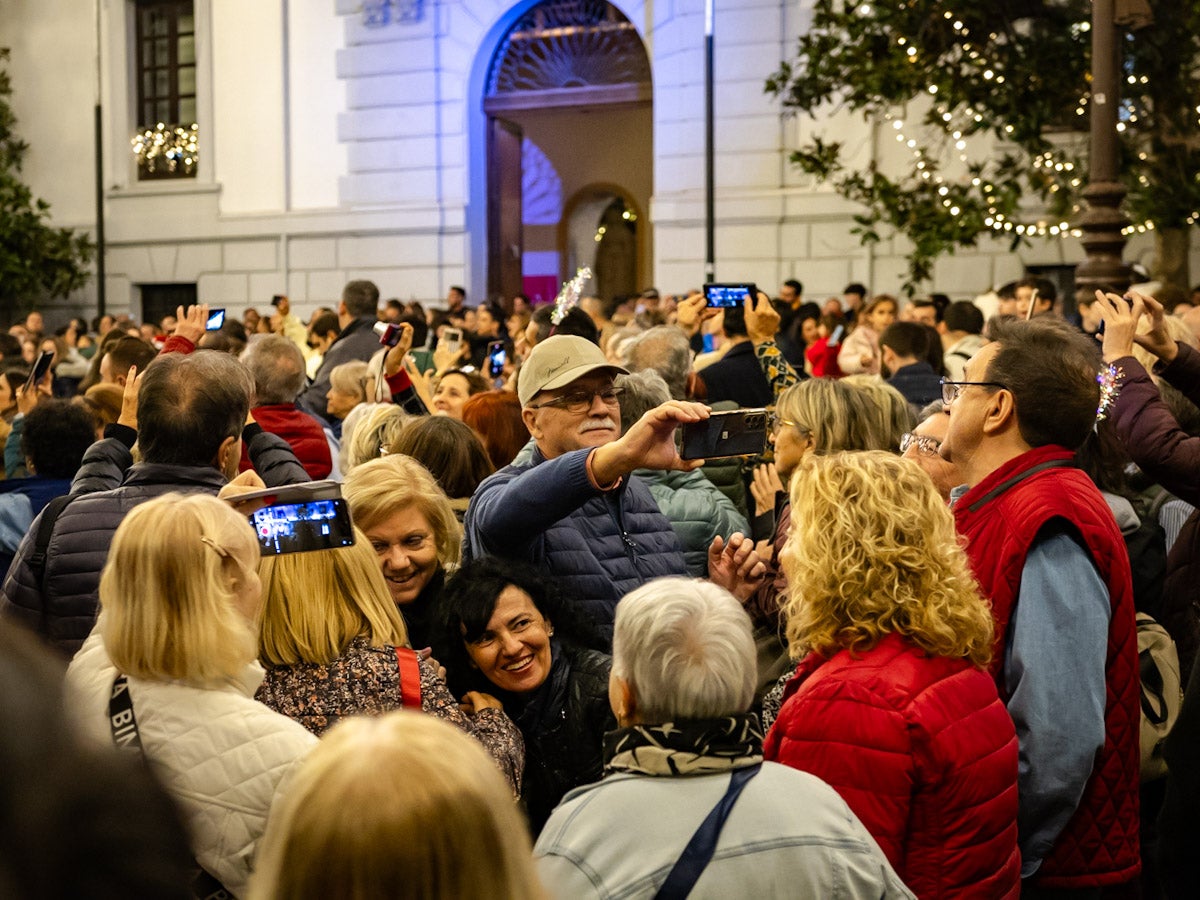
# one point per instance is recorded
(581, 401)
(951, 389)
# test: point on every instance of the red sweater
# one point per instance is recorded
(301, 431)
(823, 359)
(923, 751)
(1000, 518)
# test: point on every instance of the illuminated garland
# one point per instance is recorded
(170, 148)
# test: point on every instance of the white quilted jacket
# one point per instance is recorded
(223, 756)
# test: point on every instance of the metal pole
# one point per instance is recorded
(98, 126)
(1103, 220)
(709, 194)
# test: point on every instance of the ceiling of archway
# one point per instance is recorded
(569, 46)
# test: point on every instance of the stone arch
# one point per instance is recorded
(487, 40)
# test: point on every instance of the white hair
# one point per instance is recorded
(686, 648)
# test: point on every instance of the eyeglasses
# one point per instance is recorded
(951, 389)
(775, 423)
(926, 446)
(581, 401)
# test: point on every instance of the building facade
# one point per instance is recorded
(430, 143)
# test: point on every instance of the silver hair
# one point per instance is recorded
(277, 367)
(642, 392)
(666, 350)
(686, 648)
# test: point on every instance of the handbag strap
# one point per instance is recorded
(410, 677)
(125, 735)
(699, 850)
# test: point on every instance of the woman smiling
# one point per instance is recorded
(503, 632)
(412, 528)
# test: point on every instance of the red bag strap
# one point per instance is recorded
(410, 677)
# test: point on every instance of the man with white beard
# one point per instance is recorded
(576, 509)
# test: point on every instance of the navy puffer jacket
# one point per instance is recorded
(598, 545)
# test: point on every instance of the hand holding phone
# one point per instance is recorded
(40, 367)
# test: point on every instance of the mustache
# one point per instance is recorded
(605, 423)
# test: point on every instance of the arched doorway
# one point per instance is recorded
(568, 105)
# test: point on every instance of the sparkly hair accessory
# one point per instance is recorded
(1109, 379)
(569, 295)
(219, 550)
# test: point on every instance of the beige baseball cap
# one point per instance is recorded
(557, 361)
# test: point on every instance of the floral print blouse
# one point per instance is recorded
(365, 680)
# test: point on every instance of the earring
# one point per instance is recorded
(550, 631)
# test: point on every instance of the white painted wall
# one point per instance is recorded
(381, 131)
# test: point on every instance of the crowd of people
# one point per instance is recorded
(902, 648)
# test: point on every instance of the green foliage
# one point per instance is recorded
(1017, 71)
(36, 259)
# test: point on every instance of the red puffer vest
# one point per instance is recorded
(1000, 517)
(923, 751)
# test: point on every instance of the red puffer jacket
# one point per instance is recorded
(923, 751)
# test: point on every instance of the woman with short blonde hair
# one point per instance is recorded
(175, 644)
(891, 703)
(368, 431)
(411, 525)
(335, 645)
(427, 818)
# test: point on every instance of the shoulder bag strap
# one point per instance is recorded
(41, 543)
(410, 677)
(123, 725)
(699, 850)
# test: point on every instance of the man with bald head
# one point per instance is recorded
(576, 508)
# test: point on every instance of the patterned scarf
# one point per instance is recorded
(690, 747)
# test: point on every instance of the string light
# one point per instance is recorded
(173, 147)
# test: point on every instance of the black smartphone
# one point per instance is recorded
(724, 296)
(216, 318)
(496, 358)
(40, 367)
(301, 517)
(738, 432)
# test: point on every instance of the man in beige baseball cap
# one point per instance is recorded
(576, 509)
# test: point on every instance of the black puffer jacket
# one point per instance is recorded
(1171, 458)
(63, 607)
(563, 724)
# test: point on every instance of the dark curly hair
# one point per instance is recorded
(57, 434)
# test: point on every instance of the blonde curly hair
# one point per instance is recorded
(872, 551)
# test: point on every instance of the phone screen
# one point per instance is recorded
(496, 359)
(724, 296)
(299, 527)
(836, 337)
(216, 318)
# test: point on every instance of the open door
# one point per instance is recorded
(505, 245)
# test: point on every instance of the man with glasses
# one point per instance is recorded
(1049, 556)
(576, 508)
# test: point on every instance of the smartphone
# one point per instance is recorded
(738, 432)
(453, 339)
(216, 318)
(836, 337)
(496, 358)
(723, 296)
(301, 517)
(40, 367)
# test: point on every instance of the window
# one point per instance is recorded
(166, 88)
(159, 300)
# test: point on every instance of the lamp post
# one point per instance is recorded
(709, 166)
(1103, 220)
